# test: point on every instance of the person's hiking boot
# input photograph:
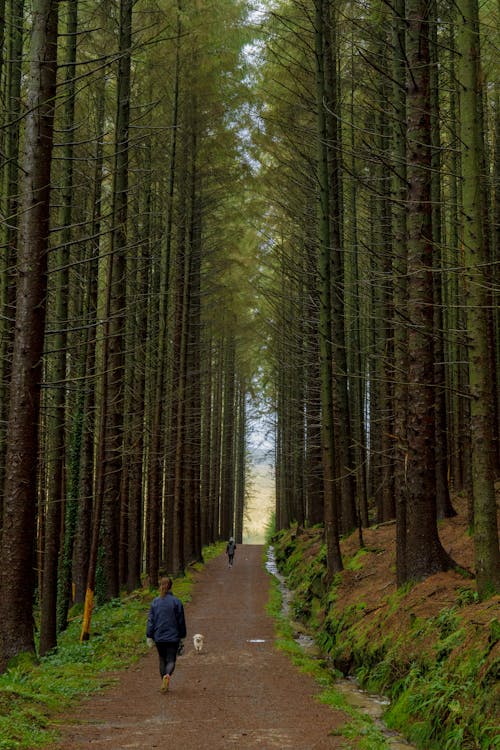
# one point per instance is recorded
(165, 683)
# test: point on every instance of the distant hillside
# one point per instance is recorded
(260, 501)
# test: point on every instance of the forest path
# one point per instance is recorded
(239, 692)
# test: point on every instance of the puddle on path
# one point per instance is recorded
(368, 703)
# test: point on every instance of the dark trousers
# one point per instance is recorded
(168, 654)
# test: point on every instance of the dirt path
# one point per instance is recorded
(240, 692)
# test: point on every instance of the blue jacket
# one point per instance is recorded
(166, 623)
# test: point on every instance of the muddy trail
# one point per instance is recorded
(239, 692)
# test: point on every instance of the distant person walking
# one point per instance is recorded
(166, 628)
(230, 548)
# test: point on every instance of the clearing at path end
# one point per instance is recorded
(239, 692)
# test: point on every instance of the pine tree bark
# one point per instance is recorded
(207, 530)
(330, 103)
(314, 485)
(355, 348)
(192, 531)
(400, 282)
(133, 500)
(180, 283)
(56, 491)
(114, 365)
(9, 205)
(86, 467)
(331, 510)
(443, 502)
(216, 452)
(424, 552)
(20, 491)
(160, 387)
(228, 440)
(473, 241)
(240, 465)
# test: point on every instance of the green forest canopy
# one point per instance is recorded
(212, 209)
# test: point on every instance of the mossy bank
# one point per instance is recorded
(432, 648)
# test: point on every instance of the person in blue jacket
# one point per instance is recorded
(166, 628)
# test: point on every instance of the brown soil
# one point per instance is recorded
(377, 577)
(429, 597)
(239, 692)
(369, 582)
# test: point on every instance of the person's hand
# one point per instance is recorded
(150, 642)
(180, 648)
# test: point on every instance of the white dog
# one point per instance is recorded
(198, 642)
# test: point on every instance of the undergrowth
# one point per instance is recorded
(441, 673)
(33, 690)
(358, 727)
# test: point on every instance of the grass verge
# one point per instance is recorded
(439, 665)
(358, 728)
(32, 691)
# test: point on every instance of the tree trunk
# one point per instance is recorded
(356, 365)
(86, 486)
(179, 350)
(216, 453)
(18, 534)
(443, 502)
(400, 283)
(330, 103)
(313, 471)
(9, 207)
(192, 535)
(56, 491)
(155, 464)
(487, 553)
(424, 552)
(115, 363)
(334, 560)
(240, 465)
(228, 443)
(207, 530)
(138, 335)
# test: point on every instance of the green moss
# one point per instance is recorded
(438, 671)
(466, 595)
(494, 631)
(356, 562)
(359, 727)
